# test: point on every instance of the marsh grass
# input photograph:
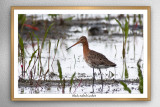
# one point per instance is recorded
(71, 82)
(22, 55)
(59, 71)
(125, 30)
(126, 88)
(140, 75)
(21, 20)
(62, 79)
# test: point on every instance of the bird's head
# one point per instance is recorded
(82, 40)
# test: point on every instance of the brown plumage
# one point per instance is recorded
(98, 60)
(93, 58)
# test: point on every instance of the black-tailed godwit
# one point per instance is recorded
(93, 58)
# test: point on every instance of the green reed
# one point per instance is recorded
(125, 30)
(22, 54)
(140, 75)
(71, 81)
(42, 46)
(62, 80)
(59, 71)
(126, 88)
(21, 20)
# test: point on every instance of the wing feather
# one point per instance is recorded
(96, 60)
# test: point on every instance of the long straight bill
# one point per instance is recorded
(73, 45)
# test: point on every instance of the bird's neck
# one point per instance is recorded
(85, 49)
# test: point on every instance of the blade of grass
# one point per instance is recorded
(63, 86)
(134, 19)
(38, 52)
(71, 81)
(140, 21)
(126, 30)
(22, 53)
(125, 86)
(46, 33)
(69, 19)
(33, 54)
(59, 71)
(21, 20)
(49, 54)
(21, 45)
(140, 77)
(126, 71)
(128, 17)
(120, 25)
(42, 45)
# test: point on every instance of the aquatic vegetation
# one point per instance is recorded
(71, 81)
(55, 52)
(45, 36)
(125, 30)
(49, 54)
(69, 18)
(125, 86)
(140, 88)
(59, 71)
(22, 54)
(33, 54)
(140, 20)
(62, 80)
(126, 71)
(21, 20)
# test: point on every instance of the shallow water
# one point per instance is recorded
(72, 61)
(83, 89)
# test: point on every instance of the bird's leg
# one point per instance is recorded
(93, 80)
(101, 78)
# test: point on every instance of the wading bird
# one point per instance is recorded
(93, 58)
